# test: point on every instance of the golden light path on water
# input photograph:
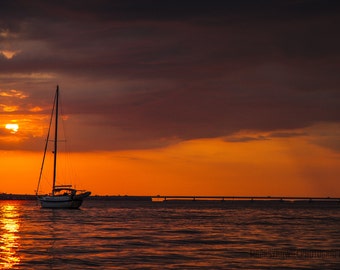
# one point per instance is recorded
(9, 239)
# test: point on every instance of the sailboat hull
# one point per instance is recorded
(61, 202)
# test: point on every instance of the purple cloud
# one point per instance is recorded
(148, 73)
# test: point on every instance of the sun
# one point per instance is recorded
(12, 127)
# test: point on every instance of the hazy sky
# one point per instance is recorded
(150, 75)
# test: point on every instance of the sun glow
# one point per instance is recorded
(12, 127)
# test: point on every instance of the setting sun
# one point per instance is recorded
(12, 127)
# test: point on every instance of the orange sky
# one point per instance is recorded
(278, 166)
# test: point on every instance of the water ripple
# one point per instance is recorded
(107, 235)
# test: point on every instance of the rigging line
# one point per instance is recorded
(46, 144)
(62, 122)
(55, 139)
(66, 147)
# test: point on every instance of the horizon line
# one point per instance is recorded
(194, 197)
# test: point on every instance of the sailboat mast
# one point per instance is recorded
(55, 138)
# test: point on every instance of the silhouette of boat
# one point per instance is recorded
(61, 196)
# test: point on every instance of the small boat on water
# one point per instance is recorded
(61, 196)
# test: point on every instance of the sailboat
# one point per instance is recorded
(61, 196)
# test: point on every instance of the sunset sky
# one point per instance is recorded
(174, 97)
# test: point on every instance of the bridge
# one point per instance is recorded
(243, 198)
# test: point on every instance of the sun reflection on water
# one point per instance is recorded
(9, 237)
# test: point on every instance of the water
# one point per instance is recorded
(171, 235)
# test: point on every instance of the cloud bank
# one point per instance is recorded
(142, 74)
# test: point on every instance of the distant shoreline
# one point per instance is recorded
(5, 196)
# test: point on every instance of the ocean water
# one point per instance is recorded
(171, 235)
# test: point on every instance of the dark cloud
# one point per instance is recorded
(269, 136)
(287, 134)
(151, 72)
(245, 138)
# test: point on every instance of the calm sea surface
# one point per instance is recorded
(171, 235)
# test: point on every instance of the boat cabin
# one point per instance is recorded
(64, 191)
